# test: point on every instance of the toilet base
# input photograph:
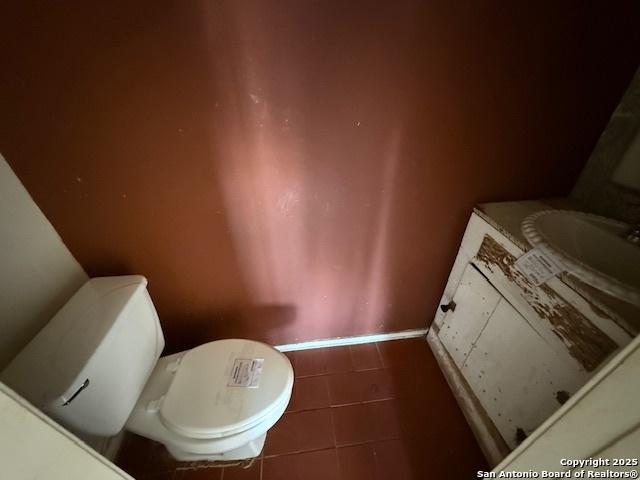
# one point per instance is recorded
(249, 450)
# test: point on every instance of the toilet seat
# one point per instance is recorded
(211, 396)
(159, 424)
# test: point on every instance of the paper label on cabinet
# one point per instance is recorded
(537, 266)
(246, 372)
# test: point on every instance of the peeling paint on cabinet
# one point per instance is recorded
(585, 342)
(523, 350)
(514, 373)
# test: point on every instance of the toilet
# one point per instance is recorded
(96, 368)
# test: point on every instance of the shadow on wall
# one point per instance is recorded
(292, 171)
(188, 332)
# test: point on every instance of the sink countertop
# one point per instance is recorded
(506, 217)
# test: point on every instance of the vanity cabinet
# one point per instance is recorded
(516, 375)
(514, 352)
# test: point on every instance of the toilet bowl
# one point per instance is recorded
(188, 405)
(96, 368)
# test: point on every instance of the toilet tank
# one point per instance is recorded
(87, 367)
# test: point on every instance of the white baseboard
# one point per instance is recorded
(340, 342)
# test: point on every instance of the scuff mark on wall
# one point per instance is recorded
(287, 203)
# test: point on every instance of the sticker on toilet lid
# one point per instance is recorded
(246, 372)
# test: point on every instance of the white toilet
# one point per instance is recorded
(95, 367)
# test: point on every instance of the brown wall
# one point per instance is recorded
(291, 170)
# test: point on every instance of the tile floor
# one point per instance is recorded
(365, 412)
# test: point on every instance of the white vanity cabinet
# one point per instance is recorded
(516, 375)
(513, 352)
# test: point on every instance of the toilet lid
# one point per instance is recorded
(225, 387)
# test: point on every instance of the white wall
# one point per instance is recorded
(33, 446)
(38, 274)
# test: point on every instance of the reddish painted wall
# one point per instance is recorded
(291, 170)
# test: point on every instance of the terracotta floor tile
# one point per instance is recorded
(301, 431)
(393, 461)
(317, 465)
(338, 359)
(447, 439)
(365, 356)
(428, 457)
(378, 385)
(405, 423)
(254, 472)
(421, 384)
(309, 393)
(281, 437)
(412, 351)
(366, 422)
(211, 473)
(309, 362)
(283, 467)
(387, 418)
(410, 382)
(320, 465)
(356, 462)
(344, 388)
(365, 386)
(321, 361)
(353, 424)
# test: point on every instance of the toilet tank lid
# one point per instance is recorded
(226, 386)
(51, 364)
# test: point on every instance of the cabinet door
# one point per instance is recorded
(475, 300)
(516, 375)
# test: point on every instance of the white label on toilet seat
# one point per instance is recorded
(246, 372)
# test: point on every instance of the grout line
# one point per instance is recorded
(369, 442)
(350, 350)
(363, 402)
(302, 452)
(299, 452)
(376, 461)
(359, 402)
(382, 367)
(336, 447)
(382, 362)
(333, 426)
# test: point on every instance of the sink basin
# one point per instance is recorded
(590, 247)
